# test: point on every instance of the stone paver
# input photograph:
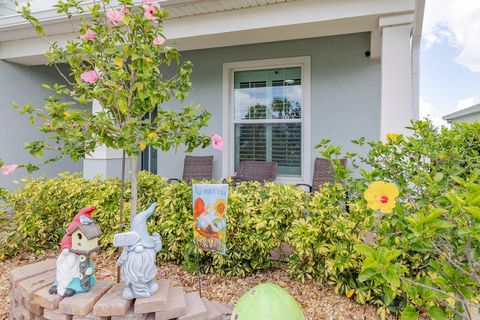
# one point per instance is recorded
(13, 300)
(195, 310)
(112, 303)
(30, 300)
(82, 304)
(31, 285)
(212, 312)
(90, 316)
(225, 309)
(33, 308)
(46, 300)
(130, 316)
(153, 303)
(55, 315)
(175, 306)
(19, 312)
(22, 273)
(150, 316)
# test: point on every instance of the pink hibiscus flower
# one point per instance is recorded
(91, 76)
(217, 142)
(7, 170)
(89, 35)
(124, 9)
(150, 9)
(114, 17)
(159, 41)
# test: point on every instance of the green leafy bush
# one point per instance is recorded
(258, 217)
(323, 242)
(426, 255)
(421, 259)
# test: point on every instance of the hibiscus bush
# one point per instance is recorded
(120, 59)
(423, 192)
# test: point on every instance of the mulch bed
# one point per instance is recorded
(318, 300)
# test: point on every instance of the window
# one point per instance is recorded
(267, 111)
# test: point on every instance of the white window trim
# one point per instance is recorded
(228, 100)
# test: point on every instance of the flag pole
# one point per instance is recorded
(199, 274)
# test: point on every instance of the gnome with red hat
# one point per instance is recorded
(74, 272)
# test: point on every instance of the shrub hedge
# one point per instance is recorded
(260, 217)
(424, 257)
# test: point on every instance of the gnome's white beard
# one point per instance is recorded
(68, 268)
(139, 270)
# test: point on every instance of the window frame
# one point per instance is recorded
(228, 157)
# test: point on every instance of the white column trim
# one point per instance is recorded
(397, 79)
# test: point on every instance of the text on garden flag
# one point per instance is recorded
(210, 215)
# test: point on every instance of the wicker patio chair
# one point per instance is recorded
(196, 168)
(322, 173)
(261, 171)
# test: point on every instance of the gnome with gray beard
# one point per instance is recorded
(138, 259)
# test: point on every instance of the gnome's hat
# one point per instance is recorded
(66, 243)
(76, 221)
(139, 226)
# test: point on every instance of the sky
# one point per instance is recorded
(450, 57)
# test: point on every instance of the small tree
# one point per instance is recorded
(119, 59)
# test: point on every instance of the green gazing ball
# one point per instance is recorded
(267, 301)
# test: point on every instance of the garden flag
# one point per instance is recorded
(210, 215)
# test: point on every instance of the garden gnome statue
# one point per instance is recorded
(74, 270)
(138, 259)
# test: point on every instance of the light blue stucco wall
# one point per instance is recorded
(345, 85)
(24, 85)
(468, 118)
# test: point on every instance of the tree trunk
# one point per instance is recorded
(133, 181)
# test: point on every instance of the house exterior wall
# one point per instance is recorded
(345, 90)
(24, 85)
(468, 118)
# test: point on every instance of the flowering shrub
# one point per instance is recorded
(120, 59)
(425, 258)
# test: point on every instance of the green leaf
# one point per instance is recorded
(366, 274)
(438, 177)
(437, 313)
(391, 276)
(365, 250)
(474, 211)
(387, 295)
(409, 313)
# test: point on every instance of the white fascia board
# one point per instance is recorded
(284, 21)
(45, 11)
(256, 17)
(396, 20)
(30, 52)
(285, 14)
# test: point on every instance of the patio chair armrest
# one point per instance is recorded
(305, 185)
(169, 181)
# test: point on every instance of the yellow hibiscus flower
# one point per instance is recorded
(394, 137)
(381, 196)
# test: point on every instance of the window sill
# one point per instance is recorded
(289, 180)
